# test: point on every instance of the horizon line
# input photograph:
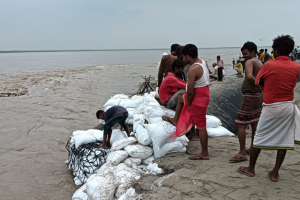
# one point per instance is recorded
(78, 50)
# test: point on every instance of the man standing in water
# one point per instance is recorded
(278, 127)
(196, 100)
(250, 108)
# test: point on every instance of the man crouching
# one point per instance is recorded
(115, 114)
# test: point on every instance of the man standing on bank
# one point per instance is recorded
(251, 105)
(196, 100)
(220, 64)
(278, 127)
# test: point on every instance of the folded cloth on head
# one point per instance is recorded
(278, 126)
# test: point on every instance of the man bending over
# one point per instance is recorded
(115, 114)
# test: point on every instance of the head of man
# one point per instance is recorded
(178, 52)
(218, 58)
(177, 67)
(100, 114)
(283, 45)
(173, 49)
(249, 50)
(189, 53)
(214, 64)
(238, 61)
(266, 50)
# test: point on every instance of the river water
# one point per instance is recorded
(65, 89)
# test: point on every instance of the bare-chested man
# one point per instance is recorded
(250, 108)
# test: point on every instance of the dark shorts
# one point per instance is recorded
(116, 119)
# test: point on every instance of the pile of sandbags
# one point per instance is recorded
(124, 166)
(85, 156)
(131, 157)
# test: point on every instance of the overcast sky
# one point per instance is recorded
(141, 24)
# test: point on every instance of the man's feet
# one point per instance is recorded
(199, 156)
(273, 177)
(247, 151)
(238, 158)
(170, 120)
(245, 171)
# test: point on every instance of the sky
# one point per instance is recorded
(141, 24)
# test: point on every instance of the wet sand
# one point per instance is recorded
(34, 127)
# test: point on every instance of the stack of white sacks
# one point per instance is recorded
(131, 157)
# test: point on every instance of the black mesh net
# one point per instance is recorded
(85, 159)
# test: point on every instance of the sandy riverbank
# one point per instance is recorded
(34, 128)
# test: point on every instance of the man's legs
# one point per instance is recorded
(204, 155)
(279, 160)
(249, 171)
(122, 120)
(174, 99)
(179, 107)
(241, 156)
(253, 127)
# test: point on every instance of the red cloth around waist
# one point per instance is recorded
(197, 114)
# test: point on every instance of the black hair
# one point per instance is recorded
(250, 46)
(284, 44)
(191, 50)
(178, 50)
(266, 50)
(178, 64)
(174, 47)
(98, 113)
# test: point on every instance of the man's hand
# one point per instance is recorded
(180, 94)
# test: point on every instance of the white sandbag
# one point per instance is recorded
(142, 169)
(160, 133)
(116, 135)
(142, 135)
(122, 189)
(124, 142)
(154, 169)
(80, 193)
(83, 139)
(219, 131)
(130, 195)
(130, 103)
(139, 151)
(102, 121)
(125, 175)
(152, 103)
(171, 147)
(149, 98)
(212, 121)
(116, 157)
(106, 108)
(98, 134)
(120, 96)
(137, 98)
(130, 112)
(149, 160)
(112, 102)
(158, 111)
(154, 120)
(183, 139)
(101, 187)
(129, 121)
(132, 161)
(138, 119)
(81, 132)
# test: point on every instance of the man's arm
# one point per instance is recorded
(178, 83)
(249, 71)
(160, 75)
(191, 84)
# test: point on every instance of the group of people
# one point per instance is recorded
(267, 104)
